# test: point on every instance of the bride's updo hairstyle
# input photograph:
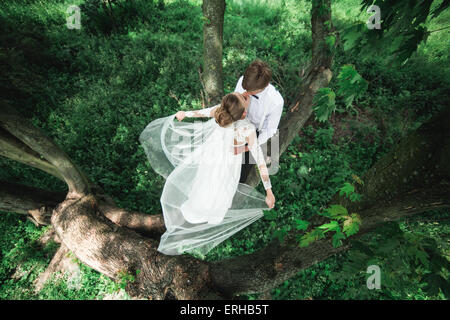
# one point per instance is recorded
(230, 110)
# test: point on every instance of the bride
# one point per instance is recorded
(202, 201)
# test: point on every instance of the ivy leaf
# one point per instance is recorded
(355, 197)
(351, 224)
(410, 42)
(310, 237)
(302, 171)
(351, 84)
(346, 189)
(337, 238)
(332, 226)
(301, 224)
(335, 211)
(324, 103)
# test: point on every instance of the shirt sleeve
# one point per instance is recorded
(273, 120)
(239, 86)
(257, 154)
(207, 112)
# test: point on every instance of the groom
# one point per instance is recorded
(265, 109)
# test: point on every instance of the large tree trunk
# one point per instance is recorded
(317, 75)
(213, 13)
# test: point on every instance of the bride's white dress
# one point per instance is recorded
(203, 202)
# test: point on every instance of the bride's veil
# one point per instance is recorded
(176, 150)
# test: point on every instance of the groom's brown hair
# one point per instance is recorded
(257, 76)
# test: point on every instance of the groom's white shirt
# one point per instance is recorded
(265, 112)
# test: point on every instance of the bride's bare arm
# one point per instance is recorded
(207, 112)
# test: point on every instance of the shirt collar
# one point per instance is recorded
(262, 93)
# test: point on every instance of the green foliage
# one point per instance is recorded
(270, 214)
(344, 276)
(336, 213)
(119, 16)
(347, 189)
(403, 29)
(124, 278)
(280, 234)
(301, 224)
(324, 104)
(310, 237)
(351, 84)
(324, 137)
(351, 224)
(337, 238)
(405, 259)
(22, 256)
(332, 226)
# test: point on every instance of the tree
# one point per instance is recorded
(411, 179)
(213, 14)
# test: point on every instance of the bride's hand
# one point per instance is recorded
(180, 115)
(270, 199)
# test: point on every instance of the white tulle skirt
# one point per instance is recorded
(203, 202)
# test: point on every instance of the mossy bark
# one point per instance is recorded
(213, 15)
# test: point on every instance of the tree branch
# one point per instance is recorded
(36, 140)
(13, 148)
(40, 203)
(35, 202)
(138, 221)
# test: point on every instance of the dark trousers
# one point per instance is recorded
(247, 166)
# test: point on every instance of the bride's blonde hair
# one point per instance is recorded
(230, 110)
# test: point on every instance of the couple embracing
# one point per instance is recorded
(205, 163)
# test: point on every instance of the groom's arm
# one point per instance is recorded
(272, 122)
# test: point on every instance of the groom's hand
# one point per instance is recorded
(180, 115)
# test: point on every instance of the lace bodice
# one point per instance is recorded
(244, 133)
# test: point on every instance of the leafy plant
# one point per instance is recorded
(351, 85)
(324, 103)
(341, 222)
(124, 278)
